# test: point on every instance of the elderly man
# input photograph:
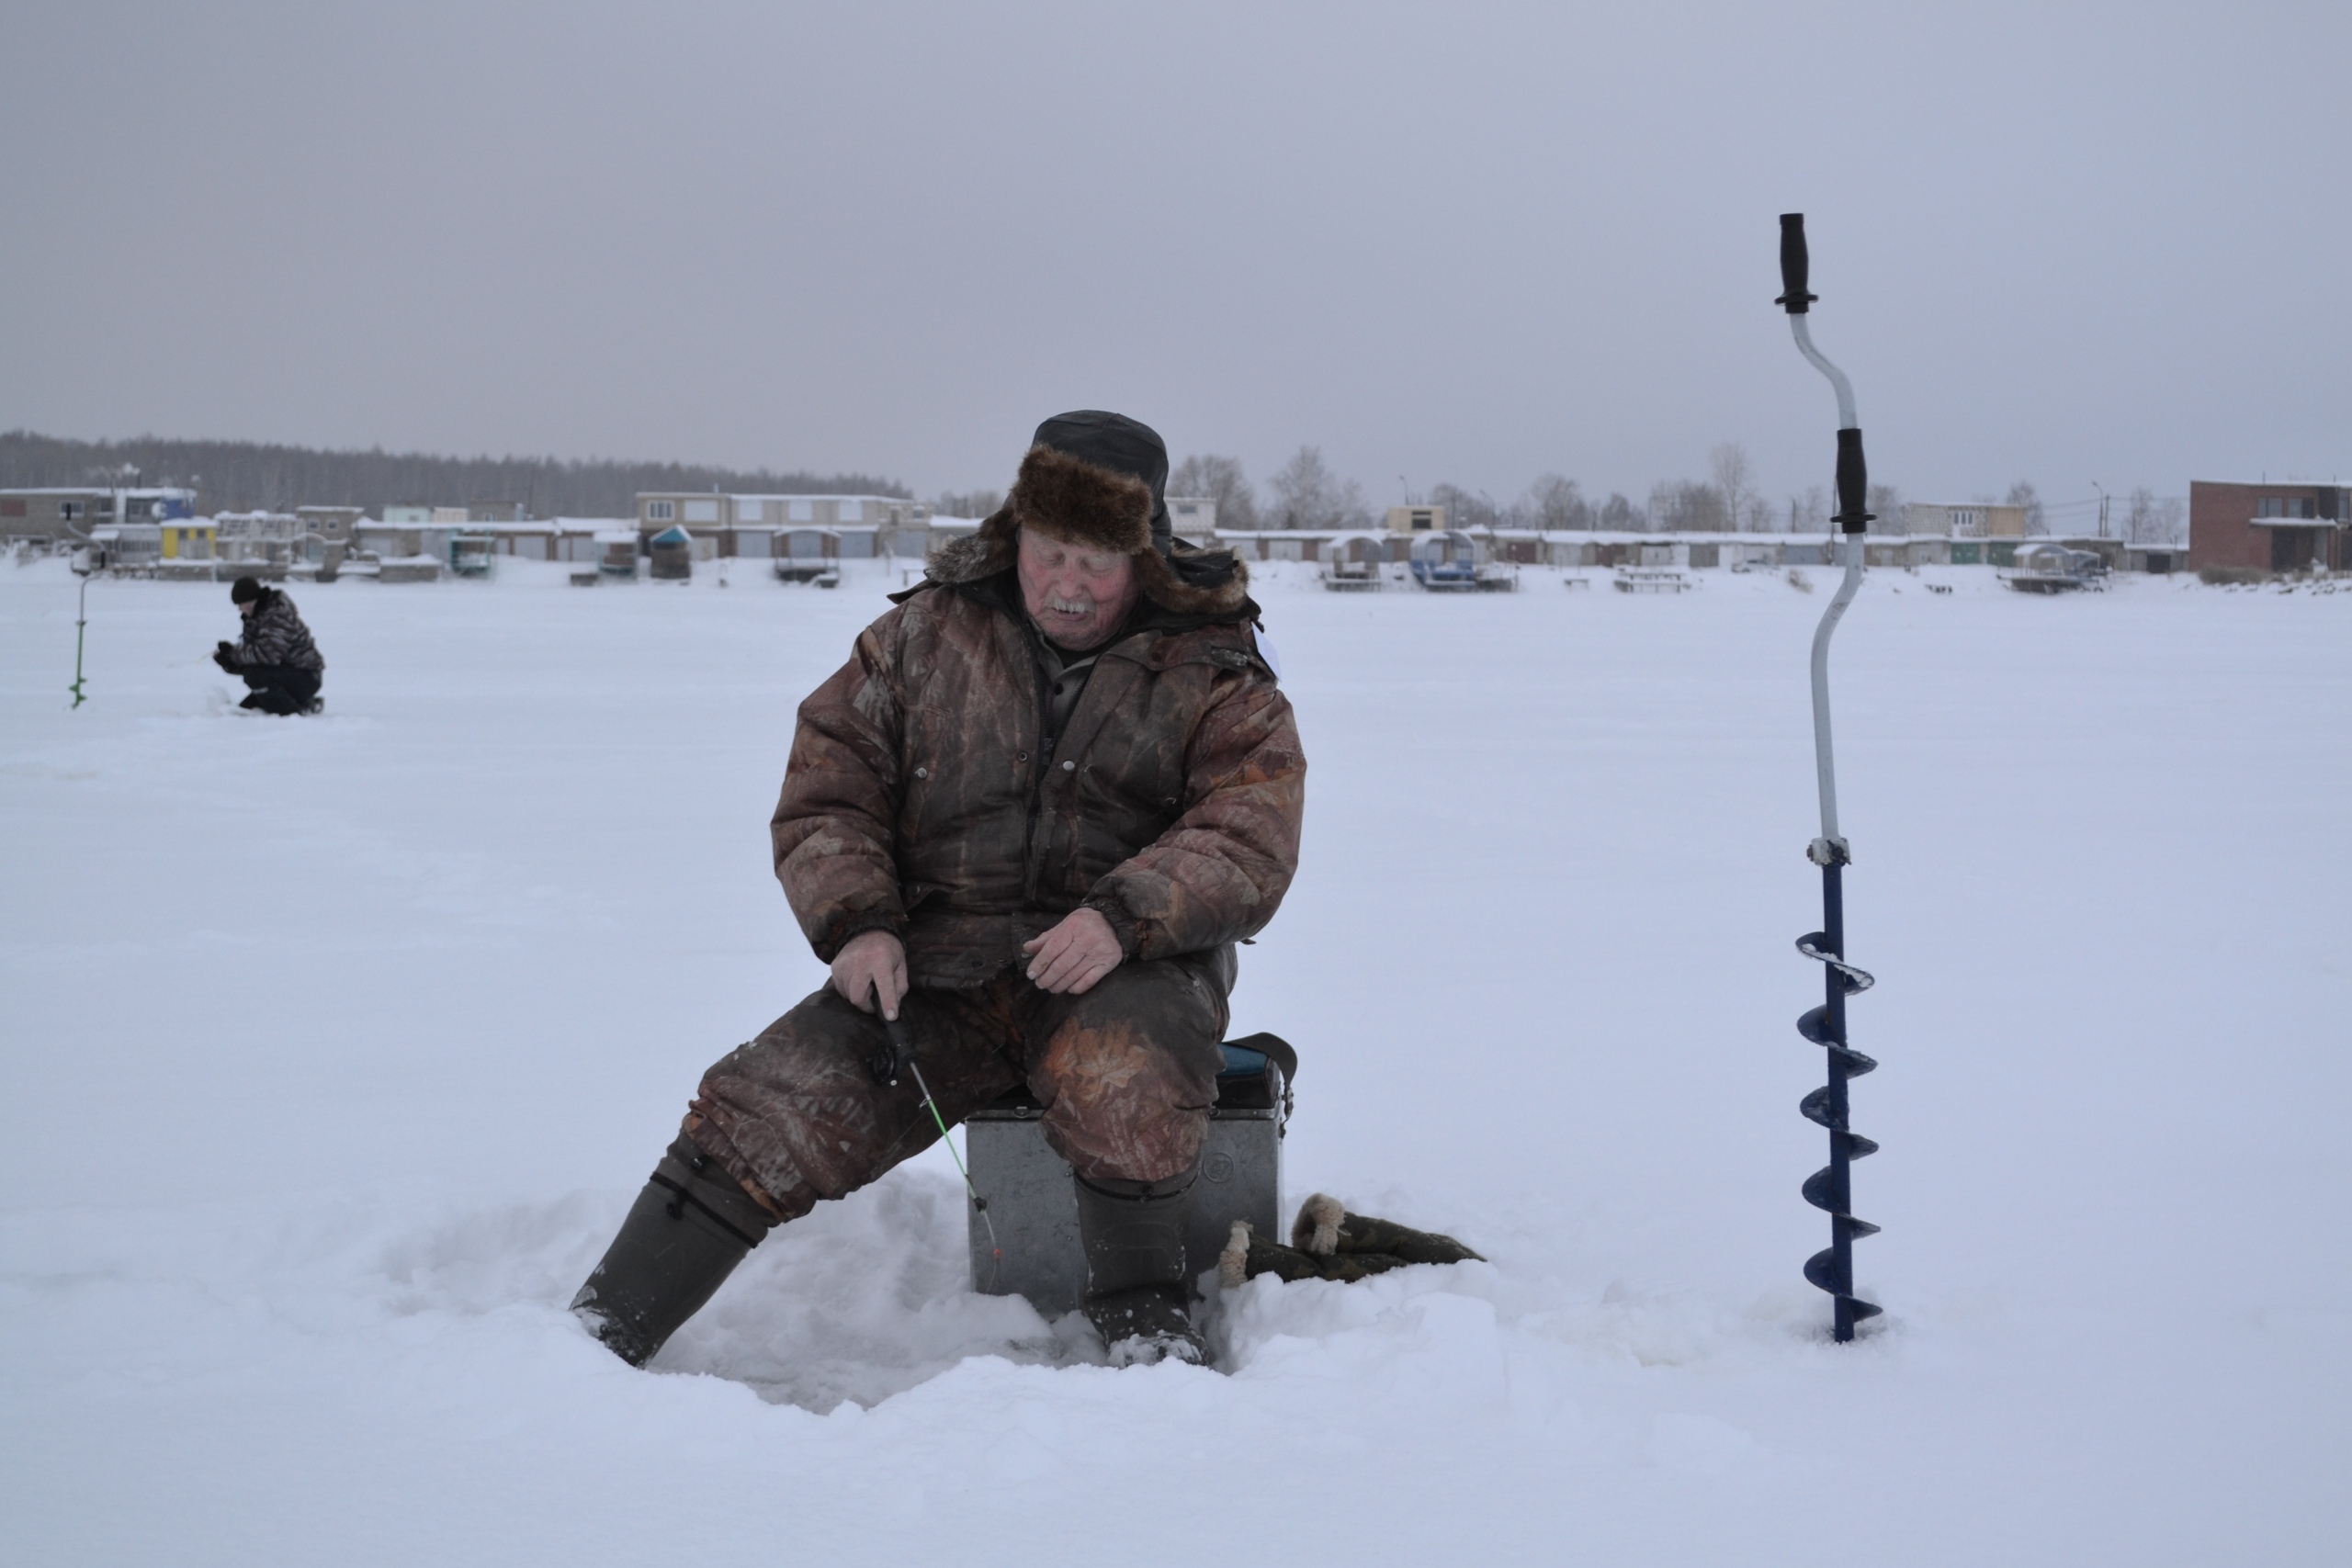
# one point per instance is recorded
(1031, 815)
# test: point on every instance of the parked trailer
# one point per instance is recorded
(1352, 563)
(674, 554)
(2054, 568)
(616, 554)
(1456, 563)
(809, 555)
(469, 554)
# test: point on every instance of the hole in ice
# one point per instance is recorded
(863, 1299)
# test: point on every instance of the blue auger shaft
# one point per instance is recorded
(1831, 1188)
(1841, 1180)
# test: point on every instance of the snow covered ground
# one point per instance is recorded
(334, 1049)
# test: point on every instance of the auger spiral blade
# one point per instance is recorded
(1830, 1189)
(1814, 1026)
(1821, 1269)
(1852, 981)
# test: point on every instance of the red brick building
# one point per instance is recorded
(2282, 527)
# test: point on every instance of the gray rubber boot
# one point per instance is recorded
(684, 1235)
(1138, 1287)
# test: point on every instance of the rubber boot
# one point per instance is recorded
(684, 1235)
(1139, 1290)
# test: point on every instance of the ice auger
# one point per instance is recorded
(1831, 1186)
(81, 628)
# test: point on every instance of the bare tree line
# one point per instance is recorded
(245, 476)
(1305, 493)
(2151, 520)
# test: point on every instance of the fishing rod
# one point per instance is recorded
(1831, 1186)
(902, 1059)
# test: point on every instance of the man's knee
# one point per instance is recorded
(1128, 1072)
(795, 1111)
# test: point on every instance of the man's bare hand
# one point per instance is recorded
(1075, 954)
(868, 963)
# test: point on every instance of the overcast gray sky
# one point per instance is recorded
(2061, 242)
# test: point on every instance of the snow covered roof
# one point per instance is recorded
(885, 499)
(136, 490)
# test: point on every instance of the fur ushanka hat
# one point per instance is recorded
(1099, 480)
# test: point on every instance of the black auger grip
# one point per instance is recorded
(1853, 484)
(1794, 266)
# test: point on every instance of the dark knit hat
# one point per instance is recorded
(244, 591)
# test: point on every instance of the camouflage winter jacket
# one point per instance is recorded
(925, 797)
(274, 633)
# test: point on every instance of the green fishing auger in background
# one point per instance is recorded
(81, 620)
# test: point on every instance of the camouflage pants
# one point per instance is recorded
(1127, 1075)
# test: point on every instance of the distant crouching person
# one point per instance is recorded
(274, 653)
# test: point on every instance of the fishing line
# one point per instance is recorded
(902, 1055)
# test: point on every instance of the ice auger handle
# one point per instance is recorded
(1795, 264)
(1853, 473)
(1853, 483)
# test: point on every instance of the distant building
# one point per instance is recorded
(2269, 527)
(1970, 520)
(1417, 520)
(410, 516)
(187, 538)
(69, 511)
(749, 524)
(271, 537)
(405, 533)
(1193, 516)
(332, 524)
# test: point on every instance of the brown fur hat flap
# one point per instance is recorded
(1094, 480)
(1082, 502)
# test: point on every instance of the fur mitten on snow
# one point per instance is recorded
(1326, 1230)
(1328, 1243)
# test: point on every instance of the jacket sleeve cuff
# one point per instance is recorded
(1123, 925)
(857, 926)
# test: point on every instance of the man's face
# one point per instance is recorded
(1077, 596)
(245, 607)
